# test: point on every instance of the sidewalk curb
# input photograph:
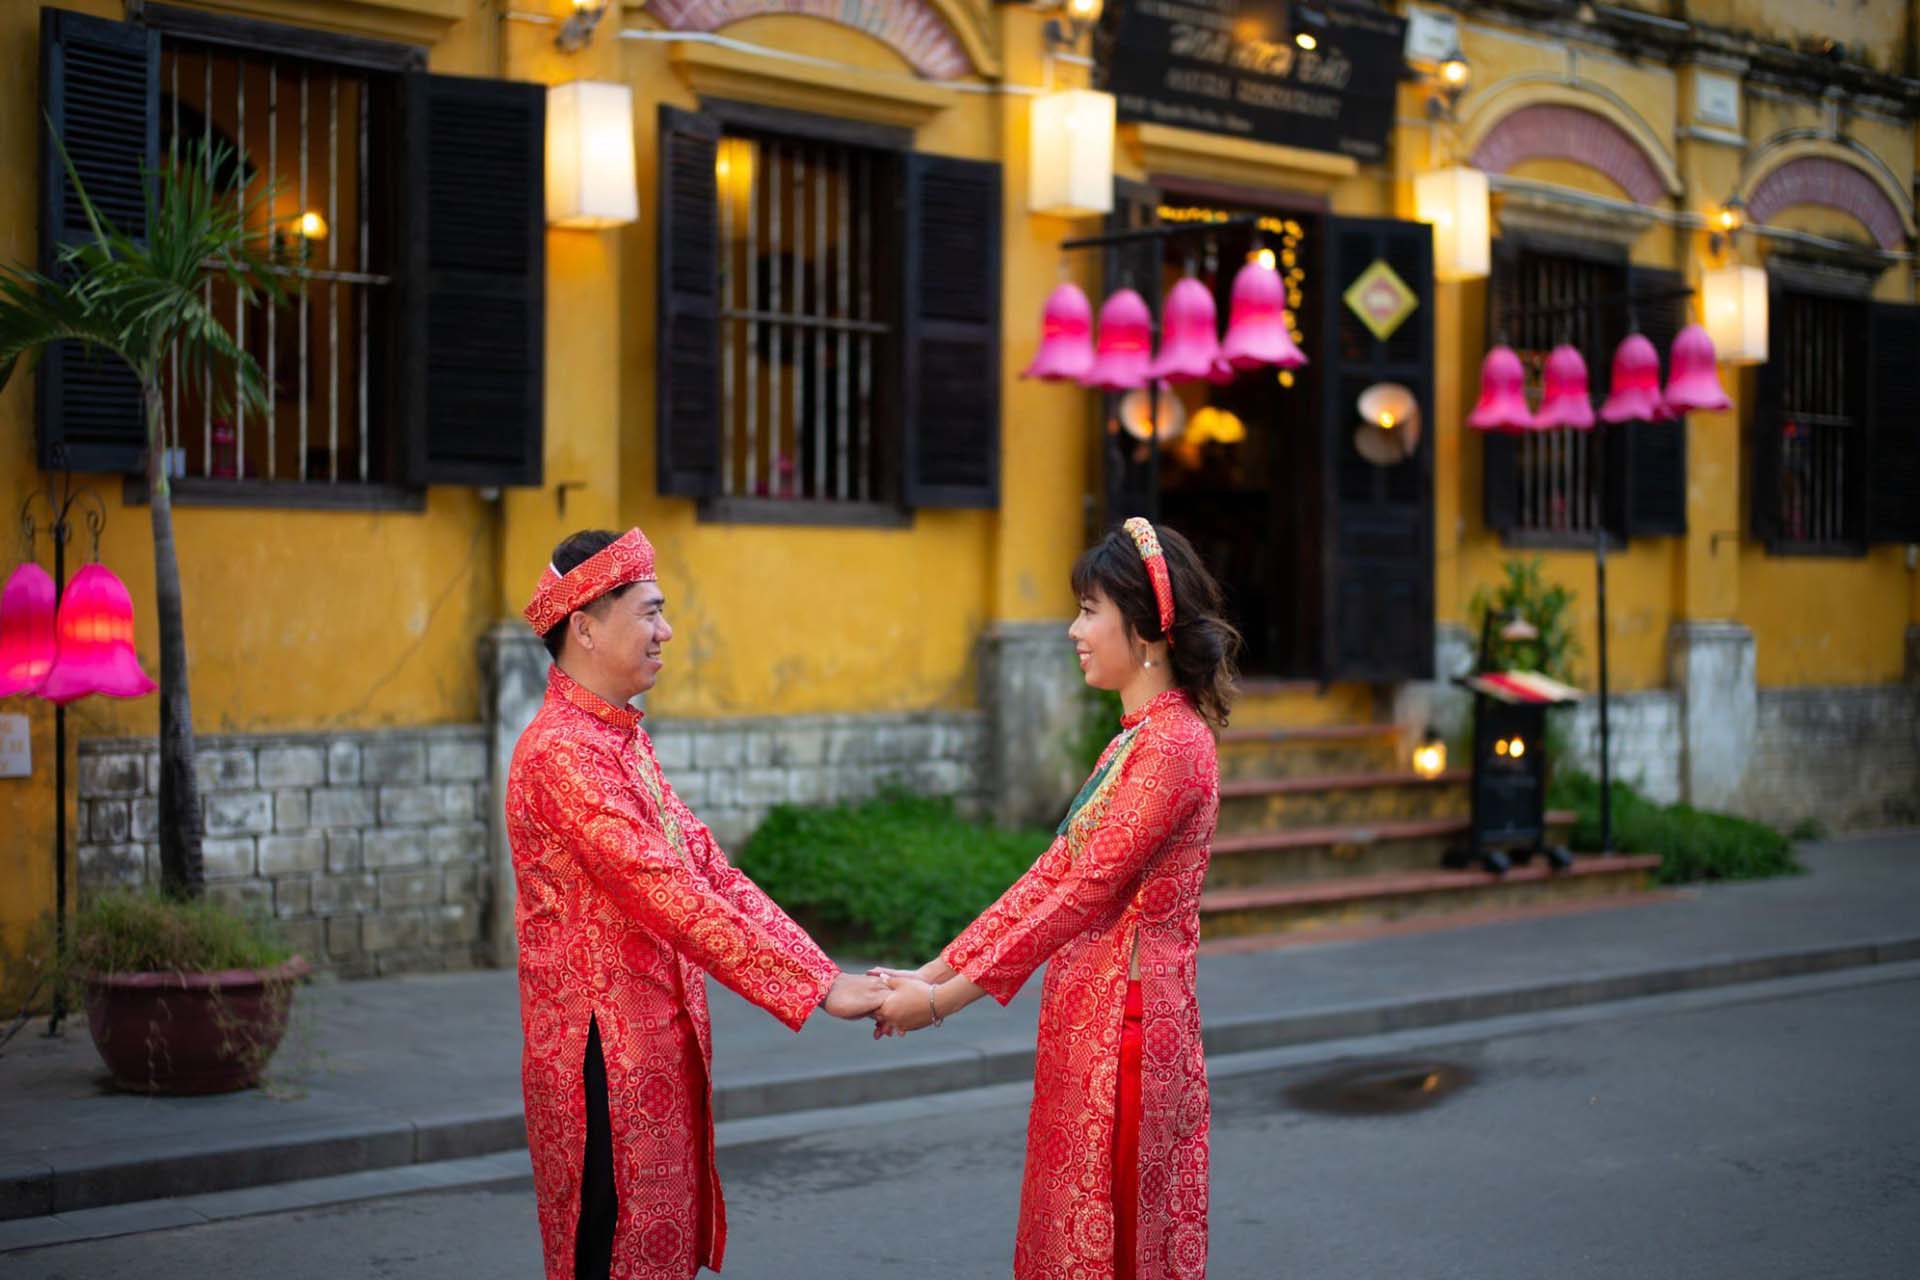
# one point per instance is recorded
(69, 1181)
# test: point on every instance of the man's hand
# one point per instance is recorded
(933, 972)
(855, 995)
(908, 1008)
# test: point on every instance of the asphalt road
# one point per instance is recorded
(1729, 1137)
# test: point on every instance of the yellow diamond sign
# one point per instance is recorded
(1381, 299)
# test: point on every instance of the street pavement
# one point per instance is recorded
(1760, 1131)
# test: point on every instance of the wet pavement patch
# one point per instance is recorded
(1381, 1088)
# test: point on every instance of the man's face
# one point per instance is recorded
(626, 638)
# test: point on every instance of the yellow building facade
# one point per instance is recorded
(357, 670)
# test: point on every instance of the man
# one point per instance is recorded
(624, 901)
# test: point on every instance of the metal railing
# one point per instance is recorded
(1818, 347)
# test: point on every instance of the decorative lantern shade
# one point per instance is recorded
(1188, 343)
(1736, 312)
(1125, 345)
(95, 641)
(1693, 380)
(26, 630)
(1455, 201)
(1169, 415)
(1257, 323)
(1564, 401)
(1070, 153)
(1633, 394)
(1503, 394)
(590, 183)
(1222, 373)
(1430, 757)
(1066, 337)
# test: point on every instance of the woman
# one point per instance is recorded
(1116, 1175)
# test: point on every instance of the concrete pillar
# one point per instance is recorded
(515, 664)
(1031, 690)
(1711, 669)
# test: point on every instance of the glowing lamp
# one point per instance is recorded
(95, 641)
(1564, 401)
(590, 182)
(1257, 322)
(1693, 378)
(1169, 415)
(1070, 153)
(1066, 337)
(1188, 342)
(26, 630)
(1430, 757)
(1735, 303)
(1125, 344)
(1454, 201)
(1220, 426)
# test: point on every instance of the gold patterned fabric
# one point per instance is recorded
(624, 900)
(1126, 870)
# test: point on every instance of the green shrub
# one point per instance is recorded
(1693, 844)
(1525, 591)
(142, 933)
(895, 877)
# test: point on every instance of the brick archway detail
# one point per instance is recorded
(1835, 184)
(912, 28)
(1557, 131)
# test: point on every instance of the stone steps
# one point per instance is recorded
(1278, 804)
(1391, 896)
(1346, 852)
(1263, 751)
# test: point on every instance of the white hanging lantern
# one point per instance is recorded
(1454, 201)
(1070, 153)
(590, 182)
(1734, 299)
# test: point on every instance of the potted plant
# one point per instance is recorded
(181, 994)
(182, 997)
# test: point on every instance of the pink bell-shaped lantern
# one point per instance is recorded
(1066, 337)
(1188, 343)
(1125, 346)
(26, 630)
(1564, 402)
(1221, 372)
(96, 641)
(1503, 394)
(1693, 375)
(1257, 322)
(1633, 395)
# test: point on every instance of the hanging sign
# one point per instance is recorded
(16, 747)
(1381, 299)
(1236, 67)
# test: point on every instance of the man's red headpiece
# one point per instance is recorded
(629, 559)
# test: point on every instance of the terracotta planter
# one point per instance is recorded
(184, 1033)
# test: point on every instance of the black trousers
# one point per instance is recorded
(599, 1200)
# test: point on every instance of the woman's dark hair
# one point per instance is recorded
(1204, 646)
(574, 551)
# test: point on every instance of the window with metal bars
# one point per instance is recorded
(305, 129)
(1818, 371)
(1559, 476)
(805, 340)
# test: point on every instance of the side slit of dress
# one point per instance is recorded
(1126, 1127)
(599, 1198)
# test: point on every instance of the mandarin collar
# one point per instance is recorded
(1159, 702)
(565, 687)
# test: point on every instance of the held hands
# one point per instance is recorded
(908, 1007)
(856, 995)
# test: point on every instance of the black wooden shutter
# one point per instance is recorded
(1893, 424)
(100, 88)
(1769, 420)
(1130, 468)
(1647, 463)
(1500, 452)
(687, 410)
(1377, 537)
(950, 328)
(475, 260)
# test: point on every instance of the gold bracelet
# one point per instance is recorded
(933, 1010)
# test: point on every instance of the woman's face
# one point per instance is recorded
(1105, 645)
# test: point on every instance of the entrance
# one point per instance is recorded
(1320, 532)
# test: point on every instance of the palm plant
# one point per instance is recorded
(145, 301)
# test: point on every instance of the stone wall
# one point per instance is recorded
(1847, 756)
(369, 849)
(1643, 740)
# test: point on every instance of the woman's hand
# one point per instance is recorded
(933, 972)
(909, 1007)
